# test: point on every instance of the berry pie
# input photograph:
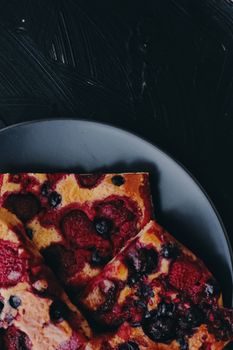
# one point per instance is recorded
(78, 222)
(34, 311)
(156, 294)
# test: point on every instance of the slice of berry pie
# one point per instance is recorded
(35, 314)
(159, 296)
(78, 222)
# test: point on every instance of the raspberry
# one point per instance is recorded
(123, 214)
(24, 206)
(55, 178)
(66, 262)
(15, 339)
(187, 277)
(89, 181)
(80, 232)
(76, 342)
(12, 266)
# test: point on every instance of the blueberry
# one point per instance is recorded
(1, 306)
(97, 259)
(54, 199)
(58, 311)
(211, 288)
(134, 261)
(130, 345)
(45, 189)
(14, 301)
(170, 251)
(118, 180)
(103, 226)
(146, 291)
(143, 261)
(166, 309)
(29, 232)
(159, 329)
(183, 343)
(194, 316)
(151, 260)
(132, 280)
(147, 315)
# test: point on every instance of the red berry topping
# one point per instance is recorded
(186, 276)
(89, 181)
(55, 178)
(123, 216)
(80, 231)
(62, 261)
(24, 206)
(14, 339)
(76, 227)
(76, 342)
(12, 266)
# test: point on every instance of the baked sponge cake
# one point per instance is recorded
(158, 295)
(78, 222)
(35, 313)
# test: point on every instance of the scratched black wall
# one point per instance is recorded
(162, 68)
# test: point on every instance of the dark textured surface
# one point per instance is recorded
(160, 68)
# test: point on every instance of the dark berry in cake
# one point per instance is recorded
(14, 339)
(142, 261)
(183, 343)
(103, 226)
(220, 323)
(58, 311)
(161, 329)
(118, 180)
(145, 291)
(130, 345)
(45, 189)
(166, 309)
(76, 227)
(89, 180)
(79, 232)
(14, 301)
(1, 306)
(132, 279)
(211, 288)
(97, 259)
(194, 316)
(110, 299)
(12, 266)
(124, 215)
(170, 251)
(24, 206)
(54, 199)
(151, 260)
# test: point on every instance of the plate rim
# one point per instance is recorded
(126, 131)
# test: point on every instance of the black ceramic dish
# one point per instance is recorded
(181, 205)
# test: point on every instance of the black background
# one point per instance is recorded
(161, 68)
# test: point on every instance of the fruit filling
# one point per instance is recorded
(89, 180)
(87, 218)
(14, 339)
(157, 285)
(92, 237)
(24, 206)
(13, 266)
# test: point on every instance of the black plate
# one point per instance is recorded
(180, 203)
